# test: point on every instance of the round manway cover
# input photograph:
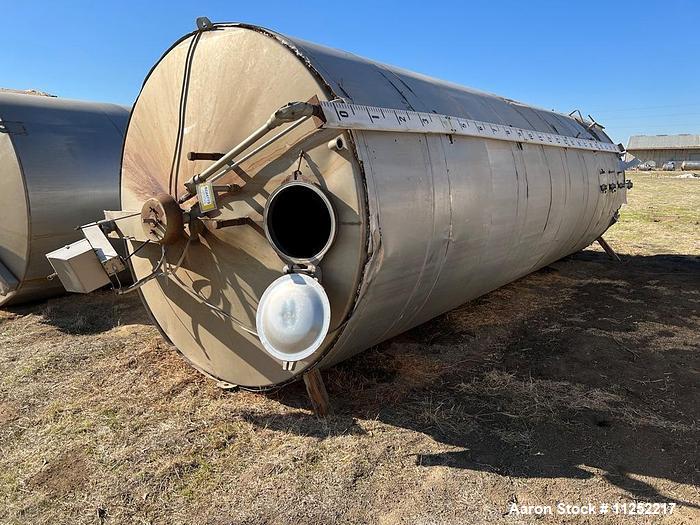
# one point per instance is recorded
(293, 317)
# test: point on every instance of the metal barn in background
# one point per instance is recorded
(380, 199)
(661, 149)
(59, 168)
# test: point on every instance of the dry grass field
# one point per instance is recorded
(579, 383)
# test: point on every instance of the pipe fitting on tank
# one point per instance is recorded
(337, 144)
(162, 220)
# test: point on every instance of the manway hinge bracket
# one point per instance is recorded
(12, 127)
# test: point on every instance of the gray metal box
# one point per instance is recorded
(78, 267)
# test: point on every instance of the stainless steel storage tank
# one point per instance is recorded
(59, 168)
(690, 165)
(403, 225)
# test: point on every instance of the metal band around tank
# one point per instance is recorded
(340, 115)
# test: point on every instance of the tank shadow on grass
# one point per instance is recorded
(87, 314)
(606, 379)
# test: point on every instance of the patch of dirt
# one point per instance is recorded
(63, 475)
(8, 412)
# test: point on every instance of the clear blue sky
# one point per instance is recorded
(632, 65)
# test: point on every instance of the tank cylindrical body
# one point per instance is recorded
(422, 222)
(59, 168)
(690, 165)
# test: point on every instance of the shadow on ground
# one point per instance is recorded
(88, 314)
(586, 365)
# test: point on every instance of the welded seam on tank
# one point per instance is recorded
(314, 68)
(571, 224)
(516, 235)
(515, 108)
(583, 167)
(373, 242)
(515, 151)
(375, 249)
(121, 133)
(568, 196)
(383, 72)
(487, 234)
(592, 206)
(575, 161)
(428, 249)
(548, 252)
(516, 239)
(494, 190)
(418, 309)
(594, 215)
(372, 258)
(370, 247)
(543, 155)
(574, 124)
(448, 241)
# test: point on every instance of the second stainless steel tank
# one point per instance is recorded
(59, 168)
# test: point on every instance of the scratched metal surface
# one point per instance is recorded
(59, 168)
(428, 222)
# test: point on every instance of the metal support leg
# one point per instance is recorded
(317, 393)
(608, 249)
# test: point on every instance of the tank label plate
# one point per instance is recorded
(207, 199)
(340, 115)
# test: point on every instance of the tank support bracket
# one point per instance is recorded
(608, 249)
(317, 393)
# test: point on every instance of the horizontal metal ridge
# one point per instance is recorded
(340, 115)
